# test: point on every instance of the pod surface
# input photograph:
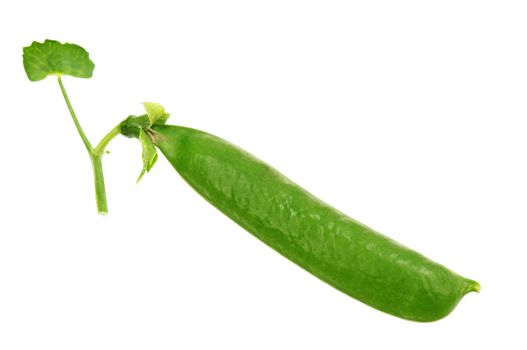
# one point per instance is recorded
(339, 250)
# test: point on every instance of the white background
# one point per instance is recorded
(407, 115)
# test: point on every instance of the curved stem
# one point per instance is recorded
(99, 149)
(73, 116)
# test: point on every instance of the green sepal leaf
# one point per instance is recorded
(156, 113)
(130, 126)
(149, 153)
(54, 58)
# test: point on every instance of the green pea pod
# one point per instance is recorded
(339, 250)
(346, 254)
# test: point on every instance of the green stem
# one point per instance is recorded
(95, 153)
(99, 149)
(96, 159)
(100, 190)
(73, 116)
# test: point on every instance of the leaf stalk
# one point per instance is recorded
(73, 116)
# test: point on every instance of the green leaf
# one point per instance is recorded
(149, 153)
(54, 58)
(156, 113)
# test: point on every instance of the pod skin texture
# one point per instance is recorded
(346, 254)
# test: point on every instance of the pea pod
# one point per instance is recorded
(346, 254)
(339, 250)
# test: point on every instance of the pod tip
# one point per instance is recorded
(473, 286)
